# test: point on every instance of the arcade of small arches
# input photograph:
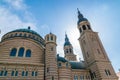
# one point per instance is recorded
(84, 27)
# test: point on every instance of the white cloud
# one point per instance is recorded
(16, 4)
(11, 21)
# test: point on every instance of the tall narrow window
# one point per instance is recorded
(16, 73)
(87, 54)
(98, 51)
(84, 27)
(47, 69)
(80, 30)
(47, 38)
(21, 52)
(52, 77)
(28, 53)
(70, 50)
(88, 26)
(36, 73)
(13, 52)
(51, 37)
(12, 73)
(107, 72)
(67, 65)
(59, 64)
(5, 73)
(1, 73)
(75, 77)
(23, 73)
(81, 77)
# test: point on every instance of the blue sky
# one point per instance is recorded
(60, 16)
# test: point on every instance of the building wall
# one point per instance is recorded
(20, 68)
(64, 71)
(9, 63)
(81, 74)
(37, 52)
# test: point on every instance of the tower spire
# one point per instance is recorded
(67, 42)
(80, 17)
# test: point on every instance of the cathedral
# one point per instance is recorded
(25, 55)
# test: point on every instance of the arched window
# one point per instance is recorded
(21, 52)
(20, 34)
(75, 77)
(84, 27)
(67, 65)
(15, 34)
(88, 26)
(52, 77)
(47, 38)
(59, 64)
(51, 37)
(70, 50)
(80, 30)
(13, 52)
(14, 73)
(28, 53)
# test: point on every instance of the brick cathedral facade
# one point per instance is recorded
(25, 55)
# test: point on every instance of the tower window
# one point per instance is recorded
(107, 72)
(28, 53)
(47, 69)
(80, 30)
(88, 26)
(21, 52)
(98, 51)
(67, 51)
(51, 37)
(59, 64)
(47, 38)
(70, 50)
(67, 65)
(52, 77)
(84, 27)
(87, 54)
(52, 48)
(13, 52)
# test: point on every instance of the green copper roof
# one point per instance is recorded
(62, 59)
(38, 39)
(77, 65)
(26, 30)
(67, 42)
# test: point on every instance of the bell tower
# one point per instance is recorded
(51, 69)
(68, 50)
(94, 54)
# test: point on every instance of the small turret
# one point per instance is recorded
(50, 38)
(50, 57)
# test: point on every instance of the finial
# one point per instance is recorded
(28, 27)
(78, 11)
